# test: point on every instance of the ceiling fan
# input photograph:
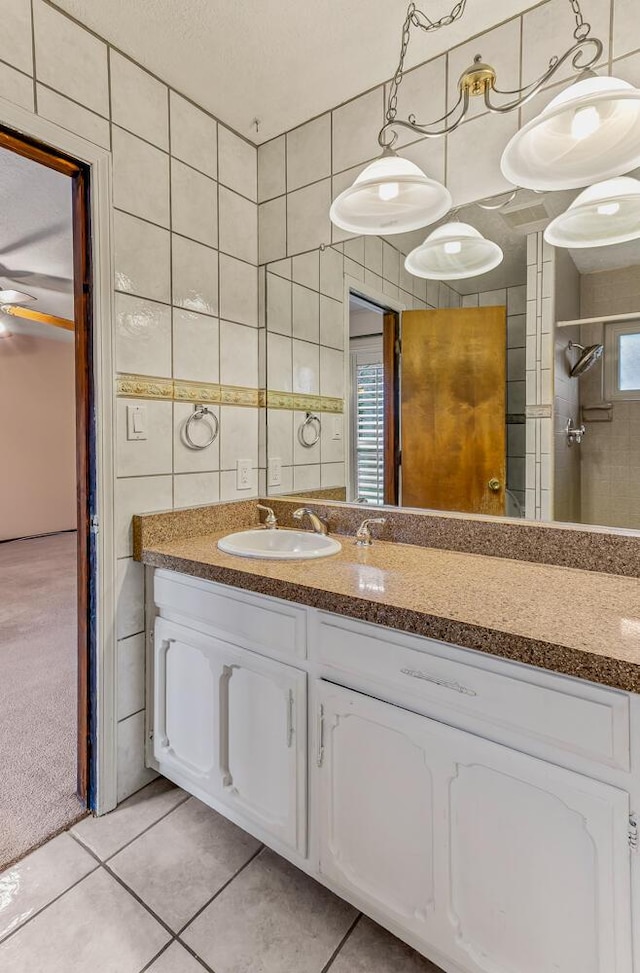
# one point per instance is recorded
(12, 302)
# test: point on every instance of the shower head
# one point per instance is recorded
(588, 357)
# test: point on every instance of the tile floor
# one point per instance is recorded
(164, 884)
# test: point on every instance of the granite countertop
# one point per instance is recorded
(580, 623)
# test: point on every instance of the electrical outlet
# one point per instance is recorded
(275, 471)
(244, 474)
(136, 422)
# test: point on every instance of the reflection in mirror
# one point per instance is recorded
(386, 388)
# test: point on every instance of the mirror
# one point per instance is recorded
(385, 388)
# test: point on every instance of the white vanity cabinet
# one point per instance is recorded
(230, 727)
(482, 810)
(500, 861)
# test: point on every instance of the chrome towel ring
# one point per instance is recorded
(199, 412)
(313, 423)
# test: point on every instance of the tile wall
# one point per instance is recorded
(186, 304)
(566, 397)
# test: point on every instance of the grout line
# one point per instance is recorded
(34, 915)
(219, 892)
(342, 942)
(33, 58)
(138, 898)
(166, 946)
(193, 953)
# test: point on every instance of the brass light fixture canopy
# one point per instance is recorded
(477, 78)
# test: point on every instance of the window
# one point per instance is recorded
(622, 360)
(368, 419)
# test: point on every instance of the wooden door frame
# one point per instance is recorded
(391, 384)
(394, 309)
(88, 164)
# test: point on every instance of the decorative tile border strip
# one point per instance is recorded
(176, 390)
(303, 403)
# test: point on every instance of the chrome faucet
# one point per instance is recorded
(318, 524)
(270, 521)
(363, 533)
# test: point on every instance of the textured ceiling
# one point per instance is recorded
(36, 254)
(282, 61)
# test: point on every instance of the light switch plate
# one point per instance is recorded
(136, 422)
(337, 427)
(275, 471)
(244, 474)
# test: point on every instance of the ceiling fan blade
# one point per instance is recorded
(28, 315)
(37, 236)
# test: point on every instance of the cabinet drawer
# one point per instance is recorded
(251, 621)
(531, 707)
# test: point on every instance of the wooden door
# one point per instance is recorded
(539, 865)
(452, 392)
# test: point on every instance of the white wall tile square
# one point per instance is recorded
(626, 28)
(331, 372)
(238, 226)
(305, 269)
(332, 475)
(139, 102)
(131, 669)
(429, 155)
(272, 230)
(56, 108)
(137, 495)
(332, 322)
(355, 130)
(16, 45)
(195, 276)
(462, 145)
(332, 450)
(306, 367)
(306, 478)
(143, 336)
(279, 363)
(423, 93)
(145, 457)
(280, 435)
(132, 773)
(272, 169)
(129, 598)
(70, 59)
(306, 313)
(195, 346)
(194, 204)
(194, 489)
(238, 355)
(18, 88)
(332, 273)
(308, 222)
(279, 304)
(237, 164)
(548, 29)
(238, 436)
(390, 263)
(238, 291)
(229, 490)
(142, 258)
(140, 177)
(309, 153)
(185, 459)
(194, 137)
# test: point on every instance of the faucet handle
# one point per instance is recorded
(270, 521)
(363, 533)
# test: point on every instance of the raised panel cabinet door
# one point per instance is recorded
(263, 742)
(377, 806)
(186, 677)
(539, 864)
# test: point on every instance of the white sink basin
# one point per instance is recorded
(278, 544)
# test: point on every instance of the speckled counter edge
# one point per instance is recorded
(546, 655)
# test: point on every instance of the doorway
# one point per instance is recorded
(47, 490)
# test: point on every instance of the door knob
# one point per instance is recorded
(494, 484)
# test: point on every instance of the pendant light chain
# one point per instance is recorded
(417, 18)
(583, 29)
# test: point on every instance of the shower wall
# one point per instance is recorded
(610, 452)
(566, 399)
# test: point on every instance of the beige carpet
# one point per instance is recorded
(38, 692)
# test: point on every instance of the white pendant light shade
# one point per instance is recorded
(392, 195)
(589, 132)
(606, 213)
(452, 252)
